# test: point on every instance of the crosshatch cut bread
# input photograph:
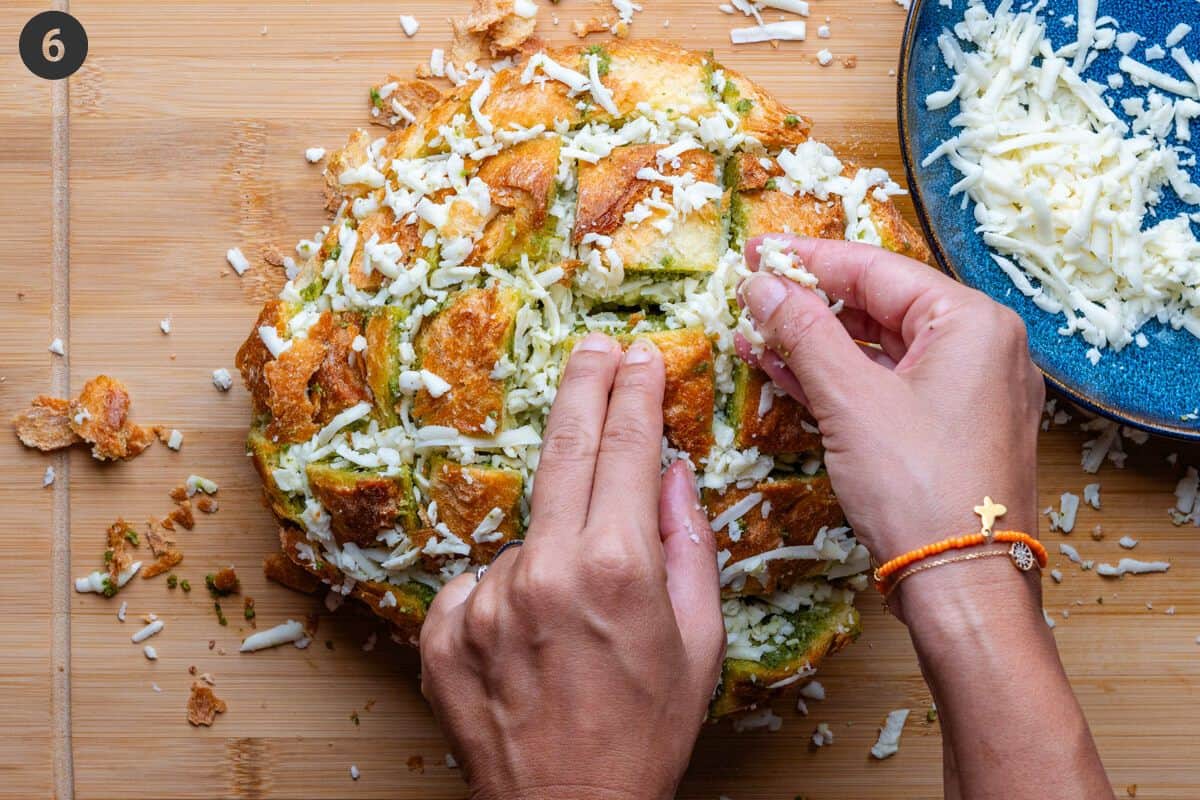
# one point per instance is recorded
(401, 381)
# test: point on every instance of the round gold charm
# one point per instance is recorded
(1022, 556)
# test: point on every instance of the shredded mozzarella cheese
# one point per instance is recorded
(1062, 188)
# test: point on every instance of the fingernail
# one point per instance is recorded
(763, 294)
(594, 342)
(685, 473)
(639, 352)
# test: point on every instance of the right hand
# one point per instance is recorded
(918, 430)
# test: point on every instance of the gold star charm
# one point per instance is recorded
(988, 513)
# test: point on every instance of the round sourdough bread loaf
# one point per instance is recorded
(401, 381)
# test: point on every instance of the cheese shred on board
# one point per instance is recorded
(1065, 190)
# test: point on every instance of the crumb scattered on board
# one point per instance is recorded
(222, 582)
(495, 27)
(203, 706)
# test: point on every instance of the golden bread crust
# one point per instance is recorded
(253, 356)
(381, 363)
(769, 211)
(466, 495)
(100, 415)
(412, 95)
(781, 429)
(383, 225)
(340, 380)
(46, 424)
(610, 188)
(291, 406)
(799, 508)
(361, 505)
(461, 345)
(521, 181)
(690, 394)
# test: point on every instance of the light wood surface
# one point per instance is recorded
(186, 129)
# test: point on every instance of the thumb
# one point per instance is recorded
(690, 549)
(797, 324)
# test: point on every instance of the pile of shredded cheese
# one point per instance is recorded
(1064, 189)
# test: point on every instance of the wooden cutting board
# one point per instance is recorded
(182, 136)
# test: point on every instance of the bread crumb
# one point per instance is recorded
(168, 560)
(203, 706)
(495, 27)
(159, 542)
(581, 28)
(223, 582)
(46, 424)
(100, 416)
(182, 516)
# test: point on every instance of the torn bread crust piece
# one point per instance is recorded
(501, 29)
(203, 706)
(46, 424)
(168, 560)
(397, 102)
(100, 416)
(401, 381)
(160, 543)
(116, 552)
(582, 28)
(181, 516)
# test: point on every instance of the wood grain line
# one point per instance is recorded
(60, 381)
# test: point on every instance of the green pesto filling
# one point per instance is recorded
(603, 59)
(419, 592)
(738, 220)
(809, 624)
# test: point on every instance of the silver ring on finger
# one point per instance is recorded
(481, 570)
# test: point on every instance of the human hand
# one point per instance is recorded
(918, 430)
(582, 664)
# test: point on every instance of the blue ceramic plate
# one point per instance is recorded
(1155, 388)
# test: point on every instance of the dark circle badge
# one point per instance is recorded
(53, 45)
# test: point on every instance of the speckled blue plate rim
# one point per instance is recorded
(946, 264)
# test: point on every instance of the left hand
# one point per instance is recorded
(581, 665)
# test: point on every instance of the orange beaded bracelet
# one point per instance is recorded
(1024, 552)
